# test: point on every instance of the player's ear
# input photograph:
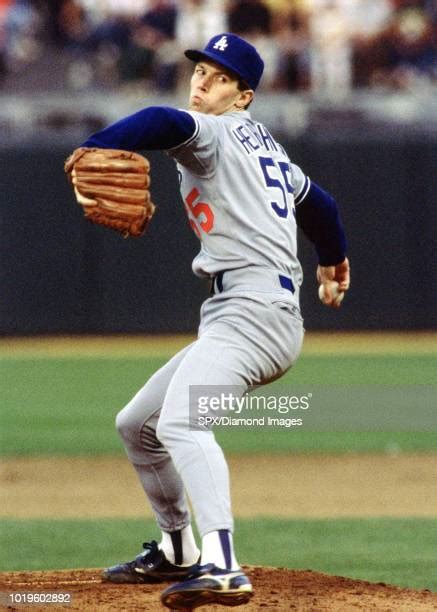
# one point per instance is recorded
(244, 99)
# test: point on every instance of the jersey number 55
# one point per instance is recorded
(200, 215)
(277, 175)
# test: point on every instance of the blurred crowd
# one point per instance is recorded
(329, 46)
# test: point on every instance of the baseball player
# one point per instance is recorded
(244, 199)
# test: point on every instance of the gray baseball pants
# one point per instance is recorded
(247, 337)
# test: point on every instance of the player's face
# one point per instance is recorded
(214, 90)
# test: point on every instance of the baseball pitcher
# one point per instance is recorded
(244, 199)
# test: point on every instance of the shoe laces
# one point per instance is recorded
(150, 551)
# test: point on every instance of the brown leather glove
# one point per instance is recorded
(112, 186)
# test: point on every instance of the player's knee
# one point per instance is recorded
(124, 425)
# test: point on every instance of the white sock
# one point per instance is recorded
(180, 547)
(218, 548)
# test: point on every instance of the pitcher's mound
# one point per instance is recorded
(276, 589)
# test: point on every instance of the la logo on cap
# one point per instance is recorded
(221, 44)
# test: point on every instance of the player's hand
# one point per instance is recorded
(335, 281)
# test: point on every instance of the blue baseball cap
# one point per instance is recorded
(235, 54)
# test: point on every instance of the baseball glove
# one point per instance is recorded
(112, 186)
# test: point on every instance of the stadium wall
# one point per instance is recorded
(60, 274)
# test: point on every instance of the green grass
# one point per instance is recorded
(68, 405)
(395, 551)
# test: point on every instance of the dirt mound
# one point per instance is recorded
(275, 589)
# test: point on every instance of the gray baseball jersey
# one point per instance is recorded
(239, 189)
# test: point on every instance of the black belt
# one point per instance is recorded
(217, 283)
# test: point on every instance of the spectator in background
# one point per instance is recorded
(252, 19)
(292, 34)
(331, 47)
(21, 34)
(407, 47)
(197, 21)
(152, 53)
(73, 26)
(249, 16)
(368, 18)
(111, 23)
(108, 30)
(53, 8)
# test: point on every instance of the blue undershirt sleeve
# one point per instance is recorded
(317, 216)
(155, 127)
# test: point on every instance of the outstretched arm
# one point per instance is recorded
(155, 127)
